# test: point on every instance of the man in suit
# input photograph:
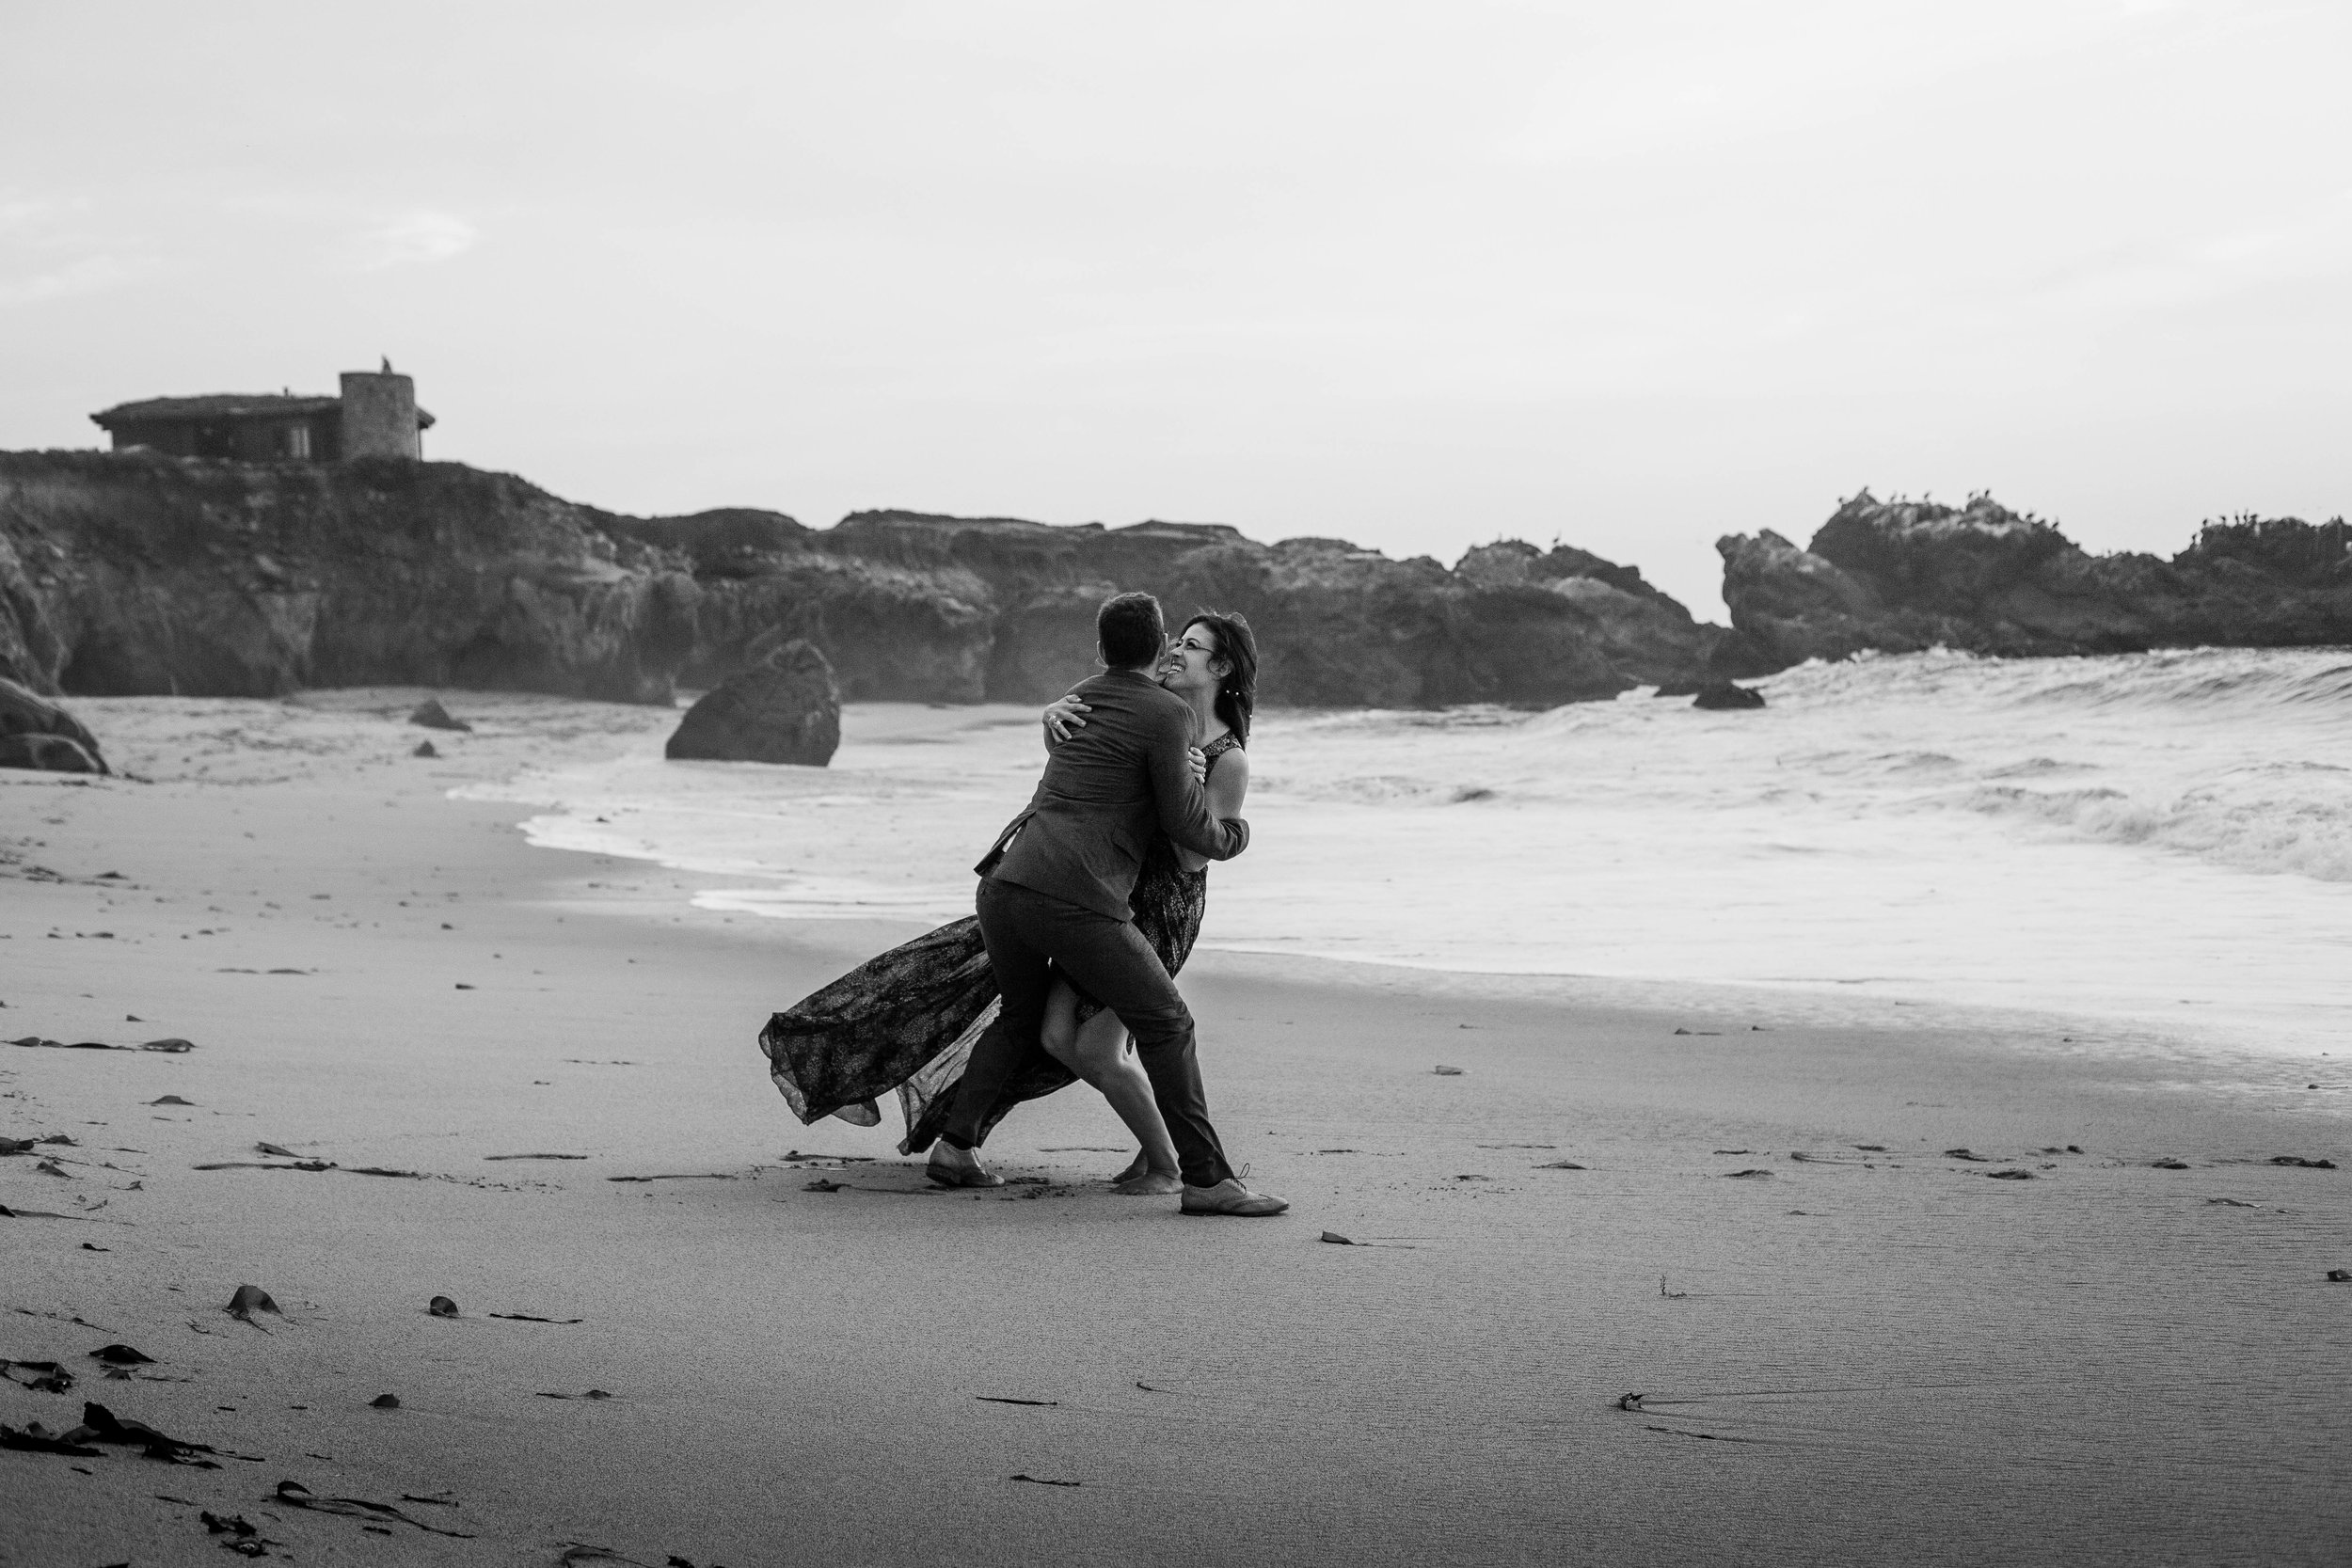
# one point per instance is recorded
(1054, 888)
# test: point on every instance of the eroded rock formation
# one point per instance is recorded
(1902, 575)
(1337, 625)
(131, 573)
(128, 573)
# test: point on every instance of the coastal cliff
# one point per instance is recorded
(126, 574)
(1898, 577)
(135, 574)
(1338, 626)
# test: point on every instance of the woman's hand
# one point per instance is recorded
(1062, 716)
(1199, 760)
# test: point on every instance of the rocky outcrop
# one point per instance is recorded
(892, 633)
(1904, 576)
(785, 708)
(125, 574)
(131, 573)
(1640, 629)
(37, 734)
(1338, 626)
(136, 573)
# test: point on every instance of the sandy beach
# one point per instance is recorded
(1680, 1279)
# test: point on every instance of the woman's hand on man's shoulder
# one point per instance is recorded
(1063, 716)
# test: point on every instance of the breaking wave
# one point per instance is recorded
(2242, 757)
(2294, 816)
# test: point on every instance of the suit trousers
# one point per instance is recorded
(1028, 932)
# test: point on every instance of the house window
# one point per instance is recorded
(298, 440)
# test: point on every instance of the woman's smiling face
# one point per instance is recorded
(1191, 663)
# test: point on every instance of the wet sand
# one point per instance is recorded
(1770, 1320)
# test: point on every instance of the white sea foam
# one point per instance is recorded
(2163, 840)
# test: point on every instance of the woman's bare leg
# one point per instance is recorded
(1098, 1051)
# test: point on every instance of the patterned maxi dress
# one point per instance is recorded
(908, 1019)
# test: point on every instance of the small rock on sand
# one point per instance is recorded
(432, 715)
(1724, 695)
(250, 1299)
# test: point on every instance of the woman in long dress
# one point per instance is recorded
(906, 1021)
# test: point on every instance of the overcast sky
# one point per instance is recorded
(1627, 275)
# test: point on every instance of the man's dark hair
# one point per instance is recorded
(1131, 630)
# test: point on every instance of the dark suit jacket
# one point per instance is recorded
(1107, 788)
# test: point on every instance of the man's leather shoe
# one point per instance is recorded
(972, 1174)
(1230, 1196)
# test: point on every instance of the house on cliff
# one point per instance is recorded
(375, 416)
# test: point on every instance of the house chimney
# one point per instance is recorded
(379, 415)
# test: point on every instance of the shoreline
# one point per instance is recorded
(2110, 1361)
(2097, 883)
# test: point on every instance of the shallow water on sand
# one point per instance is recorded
(2158, 841)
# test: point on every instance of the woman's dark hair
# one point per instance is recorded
(1131, 630)
(1237, 690)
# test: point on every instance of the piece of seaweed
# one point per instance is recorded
(294, 1495)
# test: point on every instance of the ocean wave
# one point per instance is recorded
(2238, 757)
(2237, 678)
(2240, 678)
(2293, 817)
(2042, 767)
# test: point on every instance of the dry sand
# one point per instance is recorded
(1865, 1355)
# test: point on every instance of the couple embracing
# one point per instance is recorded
(1088, 903)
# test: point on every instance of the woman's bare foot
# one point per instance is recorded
(1152, 1183)
(1136, 1167)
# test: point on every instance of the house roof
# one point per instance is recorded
(226, 405)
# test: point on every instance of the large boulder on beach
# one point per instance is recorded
(36, 732)
(787, 708)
